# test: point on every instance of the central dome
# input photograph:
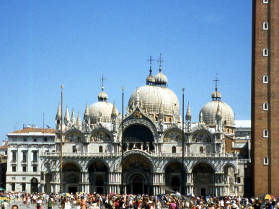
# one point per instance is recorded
(156, 100)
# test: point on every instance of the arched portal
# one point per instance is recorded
(137, 174)
(98, 177)
(34, 185)
(203, 177)
(138, 136)
(71, 178)
(173, 177)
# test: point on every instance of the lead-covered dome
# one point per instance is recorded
(210, 110)
(155, 99)
(102, 110)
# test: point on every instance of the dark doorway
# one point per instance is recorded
(175, 183)
(203, 191)
(173, 177)
(137, 185)
(98, 176)
(72, 189)
(34, 185)
(100, 184)
(203, 178)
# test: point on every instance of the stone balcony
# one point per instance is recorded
(151, 154)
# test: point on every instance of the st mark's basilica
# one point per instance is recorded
(151, 159)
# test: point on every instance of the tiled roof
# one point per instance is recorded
(38, 130)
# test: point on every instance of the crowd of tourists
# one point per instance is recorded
(117, 201)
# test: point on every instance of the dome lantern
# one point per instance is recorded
(160, 78)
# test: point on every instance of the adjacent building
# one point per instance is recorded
(3, 163)
(24, 167)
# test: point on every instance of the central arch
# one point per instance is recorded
(138, 136)
(137, 174)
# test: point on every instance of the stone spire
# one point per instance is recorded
(188, 114)
(58, 114)
(73, 118)
(78, 123)
(67, 117)
(86, 113)
(114, 111)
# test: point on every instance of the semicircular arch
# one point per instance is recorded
(101, 134)
(204, 162)
(140, 121)
(73, 135)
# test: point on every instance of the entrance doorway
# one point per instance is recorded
(203, 178)
(71, 177)
(72, 189)
(173, 177)
(137, 184)
(98, 176)
(137, 174)
(203, 191)
(34, 185)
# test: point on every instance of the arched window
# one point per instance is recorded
(173, 149)
(100, 149)
(201, 149)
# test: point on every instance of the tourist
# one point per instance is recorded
(5, 205)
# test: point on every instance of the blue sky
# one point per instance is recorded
(46, 43)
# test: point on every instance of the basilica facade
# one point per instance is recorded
(141, 151)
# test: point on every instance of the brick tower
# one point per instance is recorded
(265, 97)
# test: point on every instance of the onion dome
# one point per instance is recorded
(217, 109)
(150, 78)
(216, 95)
(160, 78)
(102, 96)
(101, 110)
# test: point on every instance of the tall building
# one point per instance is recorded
(265, 96)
